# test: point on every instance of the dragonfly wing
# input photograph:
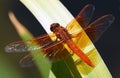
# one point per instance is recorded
(27, 61)
(54, 52)
(25, 46)
(96, 29)
(85, 15)
(83, 18)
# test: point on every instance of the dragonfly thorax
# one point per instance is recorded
(60, 32)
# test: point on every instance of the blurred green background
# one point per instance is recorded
(108, 45)
(9, 63)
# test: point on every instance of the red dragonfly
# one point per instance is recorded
(54, 48)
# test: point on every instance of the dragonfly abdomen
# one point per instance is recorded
(79, 52)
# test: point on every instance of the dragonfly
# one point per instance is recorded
(54, 48)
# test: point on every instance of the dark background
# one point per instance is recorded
(108, 45)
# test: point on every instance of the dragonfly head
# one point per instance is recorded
(53, 26)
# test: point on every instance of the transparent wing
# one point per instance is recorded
(54, 52)
(26, 46)
(53, 49)
(85, 15)
(27, 61)
(96, 29)
(83, 18)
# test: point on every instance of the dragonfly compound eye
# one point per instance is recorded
(53, 26)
